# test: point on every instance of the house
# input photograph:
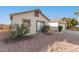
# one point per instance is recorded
(4, 27)
(34, 19)
(54, 23)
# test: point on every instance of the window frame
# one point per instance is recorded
(26, 20)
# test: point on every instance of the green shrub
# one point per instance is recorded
(19, 32)
(60, 28)
(45, 28)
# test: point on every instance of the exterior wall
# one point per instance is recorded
(64, 27)
(54, 25)
(17, 19)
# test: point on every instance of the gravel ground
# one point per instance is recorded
(36, 43)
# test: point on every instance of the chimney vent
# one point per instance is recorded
(36, 12)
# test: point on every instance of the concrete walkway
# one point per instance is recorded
(71, 32)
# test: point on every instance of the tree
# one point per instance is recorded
(70, 22)
(77, 13)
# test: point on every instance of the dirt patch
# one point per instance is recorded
(63, 46)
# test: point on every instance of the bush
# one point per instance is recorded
(45, 28)
(60, 28)
(19, 32)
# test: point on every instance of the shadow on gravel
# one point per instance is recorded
(12, 41)
(47, 33)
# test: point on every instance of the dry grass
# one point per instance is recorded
(63, 46)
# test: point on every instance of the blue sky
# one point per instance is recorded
(50, 11)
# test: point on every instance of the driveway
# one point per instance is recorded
(72, 32)
(36, 43)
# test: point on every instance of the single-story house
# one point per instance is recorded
(34, 19)
(4, 27)
(54, 23)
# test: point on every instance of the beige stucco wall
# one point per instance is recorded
(17, 19)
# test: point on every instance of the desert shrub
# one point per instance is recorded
(45, 28)
(13, 34)
(19, 32)
(60, 28)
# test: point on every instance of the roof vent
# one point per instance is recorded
(36, 12)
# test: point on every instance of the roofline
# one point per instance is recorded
(28, 12)
(53, 21)
(21, 12)
(45, 16)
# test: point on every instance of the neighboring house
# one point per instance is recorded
(54, 23)
(34, 19)
(4, 27)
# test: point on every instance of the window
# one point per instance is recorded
(26, 22)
